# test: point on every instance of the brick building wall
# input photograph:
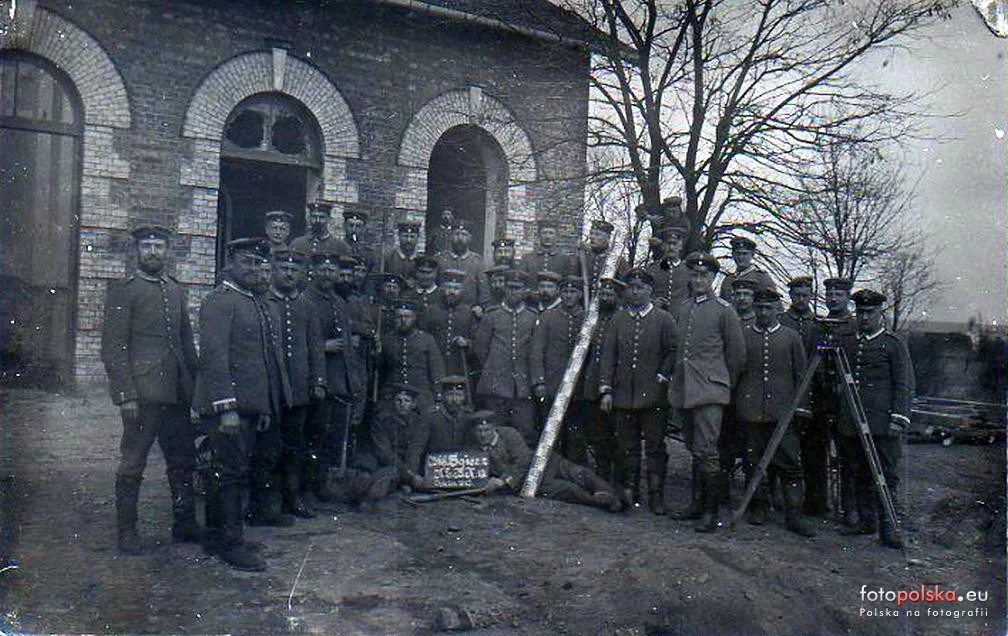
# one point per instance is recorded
(157, 81)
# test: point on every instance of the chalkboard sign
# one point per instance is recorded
(458, 469)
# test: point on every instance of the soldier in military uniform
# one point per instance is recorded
(449, 419)
(709, 357)
(597, 422)
(671, 277)
(547, 293)
(799, 315)
(496, 287)
(150, 359)
(743, 293)
(503, 345)
(355, 238)
(278, 228)
(400, 260)
(300, 338)
(774, 369)
(552, 345)
(359, 364)
(743, 250)
(815, 438)
(425, 268)
(239, 388)
(318, 239)
(327, 420)
(451, 322)
(399, 437)
(459, 257)
(504, 252)
(409, 356)
(883, 374)
(637, 357)
(510, 458)
(547, 256)
(591, 261)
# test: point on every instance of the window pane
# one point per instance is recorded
(30, 92)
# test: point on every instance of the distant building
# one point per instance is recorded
(204, 115)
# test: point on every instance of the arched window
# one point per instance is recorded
(271, 159)
(40, 132)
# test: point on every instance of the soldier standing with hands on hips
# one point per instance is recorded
(150, 359)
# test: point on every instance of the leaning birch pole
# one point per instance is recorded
(566, 390)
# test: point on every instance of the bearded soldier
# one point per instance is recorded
(150, 359)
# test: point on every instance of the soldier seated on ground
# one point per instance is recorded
(398, 439)
(510, 458)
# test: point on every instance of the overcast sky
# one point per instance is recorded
(963, 192)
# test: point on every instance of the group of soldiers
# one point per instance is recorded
(332, 355)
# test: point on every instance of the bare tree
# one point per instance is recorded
(908, 278)
(726, 98)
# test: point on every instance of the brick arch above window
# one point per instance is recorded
(275, 71)
(50, 36)
(468, 107)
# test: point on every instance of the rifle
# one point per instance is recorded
(378, 322)
(426, 497)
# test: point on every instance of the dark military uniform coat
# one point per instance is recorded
(413, 359)
(804, 324)
(671, 283)
(541, 260)
(328, 244)
(883, 374)
(299, 336)
(762, 279)
(590, 372)
(147, 341)
(399, 441)
(710, 353)
(447, 431)
(639, 345)
(552, 345)
(775, 366)
(472, 264)
(238, 365)
(503, 345)
(508, 453)
(404, 266)
(345, 379)
(445, 323)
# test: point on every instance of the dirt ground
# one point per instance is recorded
(512, 565)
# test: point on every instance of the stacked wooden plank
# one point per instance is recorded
(948, 421)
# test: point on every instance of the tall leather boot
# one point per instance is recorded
(232, 548)
(793, 511)
(891, 535)
(212, 507)
(292, 502)
(711, 493)
(264, 502)
(656, 493)
(695, 508)
(184, 526)
(848, 498)
(865, 499)
(127, 490)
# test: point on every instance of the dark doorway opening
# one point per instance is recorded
(271, 158)
(468, 174)
(249, 190)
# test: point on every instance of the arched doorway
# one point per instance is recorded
(468, 174)
(271, 159)
(40, 147)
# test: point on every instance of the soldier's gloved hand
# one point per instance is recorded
(606, 403)
(494, 483)
(539, 390)
(229, 423)
(263, 424)
(477, 311)
(461, 342)
(130, 410)
(316, 393)
(662, 378)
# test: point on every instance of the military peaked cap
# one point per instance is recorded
(503, 242)
(320, 207)
(481, 417)
(575, 282)
(496, 269)
(548, 276)
(868, 298)
(745, 283)
(348, 262)
(356, 214)
(281, 215)
(427, 261)
(454, 381)
(638, 275)
(516, 277)
(766, 296)
(408, 226)
(402, 387)
(838, 283)
(742, 243)
(287, 255)
(704, 260)
(800, 281)
(614, 283)
(252, 246)
(602, 226)
(151, 232)
(321, 258)
(453, 275)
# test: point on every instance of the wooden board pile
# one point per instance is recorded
(947, 421)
